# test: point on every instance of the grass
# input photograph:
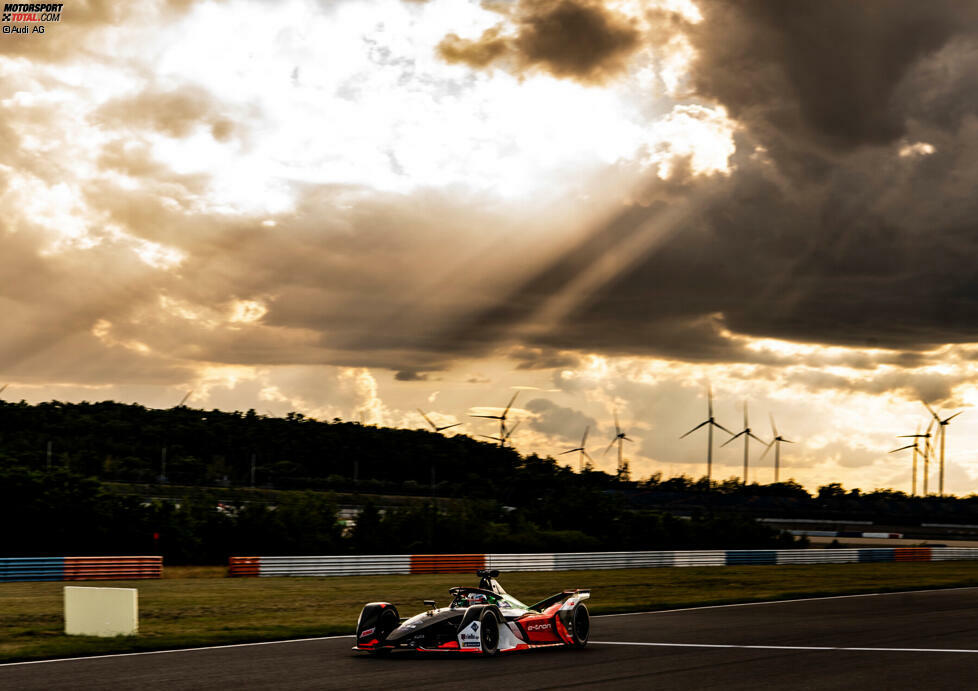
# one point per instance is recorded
(196, 606)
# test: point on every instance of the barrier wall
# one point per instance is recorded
(79, 568)
(364, 565)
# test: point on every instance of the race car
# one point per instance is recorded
(485, 620)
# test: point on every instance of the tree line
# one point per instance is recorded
(60, 513)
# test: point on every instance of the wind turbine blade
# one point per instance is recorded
(739, 434)
(745, 416)
(717, 424)
(756, 438)
(770, 444)
(488, 417)
(947, 420)
(695, 428)
(931, 410)
(626, 438)
(930, 426)
(709, 398)
(909, 446)
(488, 437)
(570, 451)
(428, 419)
(584, 438)
(617, 426)
(587, 456)
(609, 446)
(513, 429)
(4, 388)
(786, 441)
(773, 426)
(439, 429)
(510, 404)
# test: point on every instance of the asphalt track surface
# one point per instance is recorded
(922, 640)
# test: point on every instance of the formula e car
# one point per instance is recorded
(485, 620)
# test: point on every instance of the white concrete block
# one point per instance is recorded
(101, 611)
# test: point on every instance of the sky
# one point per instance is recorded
(360, 208)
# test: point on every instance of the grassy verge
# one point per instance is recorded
(194, 606)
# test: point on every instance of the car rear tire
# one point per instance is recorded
(580, 625)
(489, 632)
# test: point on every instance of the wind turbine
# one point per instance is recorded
(620, 436)
(776, 443)
(583, 450)
(501, 418)
(747, 435)
(433, 425)
(503, 439)
(710, 423)
(184, 399)
(916, 450)
(942, 432)
(3, 388)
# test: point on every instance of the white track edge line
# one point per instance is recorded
(789, 647)
(782, 602)
(174, 650)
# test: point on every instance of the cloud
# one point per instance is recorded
(174, 112)
(556, 420)
(830, 73)
(570, 39)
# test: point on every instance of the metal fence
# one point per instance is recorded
(363, 565)
(79, 568)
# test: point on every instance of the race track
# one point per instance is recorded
(923, 640)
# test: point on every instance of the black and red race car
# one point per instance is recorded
(485, 620)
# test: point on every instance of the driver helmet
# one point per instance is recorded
(477, 599)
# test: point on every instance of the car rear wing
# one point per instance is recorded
(557, 597)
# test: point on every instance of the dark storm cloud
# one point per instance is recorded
(827, 70)
(573, 39)
(823, 232)
(542, 358)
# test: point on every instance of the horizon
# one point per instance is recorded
(362, 209)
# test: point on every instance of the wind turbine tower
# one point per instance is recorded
(776, 443)
(942, 432)
(747, 435)
(584, 454)
(916, 450)
(710, 423)
(620, 436)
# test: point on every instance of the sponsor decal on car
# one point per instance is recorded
(538, 627)
(366, 632)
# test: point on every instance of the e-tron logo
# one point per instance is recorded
(538, 627)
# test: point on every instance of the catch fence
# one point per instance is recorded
(374, 564)
(79, 568)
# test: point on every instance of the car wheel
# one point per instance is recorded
(388, 622)
(580, 625)
(489, 632)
